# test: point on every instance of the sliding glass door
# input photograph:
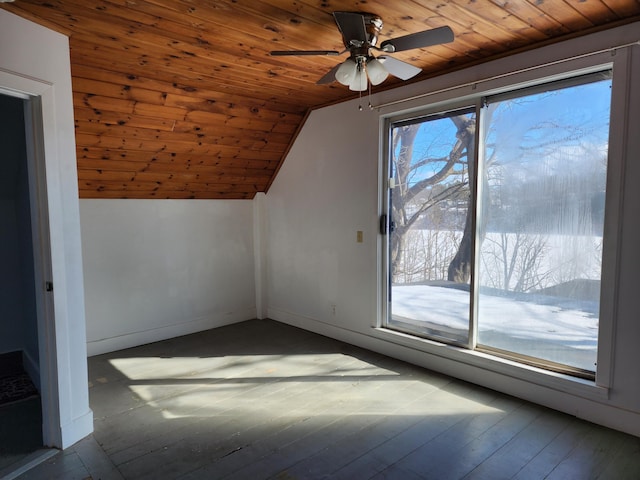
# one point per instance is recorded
(495, 236)
(430, 225)
(540, 254)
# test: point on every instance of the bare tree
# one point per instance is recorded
(513, 261)
(412, 199)
(429, 186)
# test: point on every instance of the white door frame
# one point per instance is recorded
(42, 270)
(39, 219)
(35, 66)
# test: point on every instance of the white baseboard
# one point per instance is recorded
(134, 339)
(76, 429)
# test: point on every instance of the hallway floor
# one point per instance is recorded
(20, 413)
(20, 431)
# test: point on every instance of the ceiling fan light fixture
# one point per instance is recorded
(359, 82)
(347, 72)
(376, 71)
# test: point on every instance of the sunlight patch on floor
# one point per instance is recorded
(244, 366)
(201, 387)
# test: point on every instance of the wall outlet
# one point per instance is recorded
(359, 236)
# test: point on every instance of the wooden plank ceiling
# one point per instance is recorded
(180, 98)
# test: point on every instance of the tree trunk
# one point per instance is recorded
(460, 267)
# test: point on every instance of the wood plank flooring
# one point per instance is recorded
(261, 400)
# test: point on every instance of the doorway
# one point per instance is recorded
(20, 383)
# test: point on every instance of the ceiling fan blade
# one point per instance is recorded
(423, 39)
(329, 77)
(398, 68)
(351, 26)
(282, 53)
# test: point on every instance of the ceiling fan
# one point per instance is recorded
(360, 35)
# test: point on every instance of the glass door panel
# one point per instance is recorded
(430, 242)
(541, 224)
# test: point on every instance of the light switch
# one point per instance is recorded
(359, 236)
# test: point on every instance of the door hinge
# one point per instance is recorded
(48, 286)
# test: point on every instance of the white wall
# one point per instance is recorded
(324, 193)
(157, 269)
(327, 189)
(35, 63)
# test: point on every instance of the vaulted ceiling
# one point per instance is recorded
(181, 99)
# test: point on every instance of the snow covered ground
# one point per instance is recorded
(551, 328)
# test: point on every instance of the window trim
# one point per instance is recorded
(467, 96)
(494, 364)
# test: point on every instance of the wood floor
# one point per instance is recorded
(262, 400)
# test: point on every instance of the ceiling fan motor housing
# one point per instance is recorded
(359, 49)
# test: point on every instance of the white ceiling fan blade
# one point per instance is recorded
(398, 68)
